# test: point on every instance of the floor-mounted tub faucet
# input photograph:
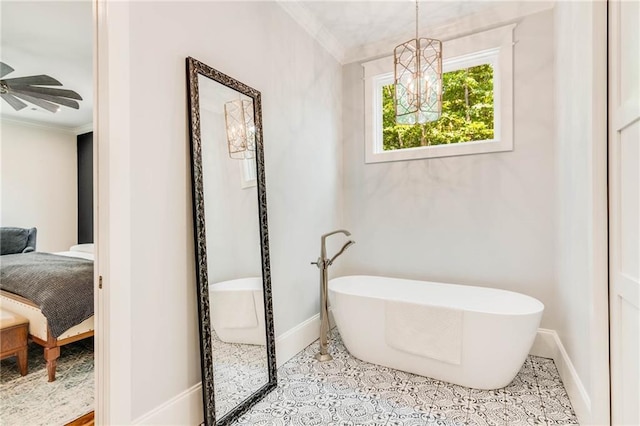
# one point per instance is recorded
(323, 264)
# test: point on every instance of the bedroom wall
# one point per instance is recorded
(38, 183)
(487, 219)
(151, 266)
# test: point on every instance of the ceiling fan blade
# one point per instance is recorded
(55, 99)
(16, 103)
(5, 69)
(51, 107)
(47, 91)
(39, 80)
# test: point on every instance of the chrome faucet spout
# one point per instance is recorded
(323, 249)
(338, 231)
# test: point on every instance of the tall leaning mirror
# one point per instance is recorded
(232, 243)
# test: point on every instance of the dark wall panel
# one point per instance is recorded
(85, 188)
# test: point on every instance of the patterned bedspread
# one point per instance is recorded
(61, 286)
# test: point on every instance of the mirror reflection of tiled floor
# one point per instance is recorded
(347, 391)
(238, 371)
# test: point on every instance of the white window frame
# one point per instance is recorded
(248, 177)
(493, 47)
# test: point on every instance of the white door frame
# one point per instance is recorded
(112, 216)
(598, 218)
(624, 284)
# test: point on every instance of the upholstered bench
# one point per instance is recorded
(14, 330)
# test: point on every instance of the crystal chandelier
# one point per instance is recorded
(418, 79)
(241, 129)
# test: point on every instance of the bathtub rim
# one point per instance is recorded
(540, 306)
(238, 284)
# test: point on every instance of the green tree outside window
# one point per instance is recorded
(467, 112)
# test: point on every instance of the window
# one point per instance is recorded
(467, 112)
(247, 173)
(477, 103)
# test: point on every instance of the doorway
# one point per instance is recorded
(47, 193)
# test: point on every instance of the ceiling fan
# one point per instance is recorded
(31, 89)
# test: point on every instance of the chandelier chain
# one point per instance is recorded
(418, 78)
(416, 19)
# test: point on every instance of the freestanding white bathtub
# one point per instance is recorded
(471, 336)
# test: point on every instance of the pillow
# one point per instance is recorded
(83, 248)
(14, 240)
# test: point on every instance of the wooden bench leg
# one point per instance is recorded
(51, 356)
(23, 365)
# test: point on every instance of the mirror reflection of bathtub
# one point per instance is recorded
(237, 311)
(239, 338)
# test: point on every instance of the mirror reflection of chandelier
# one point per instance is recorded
(418, 79)
(241, 129)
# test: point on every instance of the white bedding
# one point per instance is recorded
(84, 248)
(83, 255)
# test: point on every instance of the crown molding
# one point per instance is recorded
(85, 128)
(502, 14)
(314, 28)
(37, 125)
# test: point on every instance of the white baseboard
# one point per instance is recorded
(292, 341)
(289, 343)
(549, 345)
(183, 409)
(186, 407)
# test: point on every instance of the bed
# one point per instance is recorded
(39, 328)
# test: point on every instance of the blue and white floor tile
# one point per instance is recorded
(350, 392)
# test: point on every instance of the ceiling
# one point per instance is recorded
(56, 37)
(53, 38)
(356, 30)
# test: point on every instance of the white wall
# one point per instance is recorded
(38, 183)
(485, 220)
(582, 325)
(260, 45)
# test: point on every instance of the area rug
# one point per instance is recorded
(31, 400)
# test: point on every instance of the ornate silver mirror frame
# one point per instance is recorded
(196, 68)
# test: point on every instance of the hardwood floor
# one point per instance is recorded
(86, 420)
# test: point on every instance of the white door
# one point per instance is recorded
(624, 213)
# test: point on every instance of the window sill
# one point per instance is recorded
(462, 148)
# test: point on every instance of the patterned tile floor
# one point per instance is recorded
(238, 371)
(350, 392)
